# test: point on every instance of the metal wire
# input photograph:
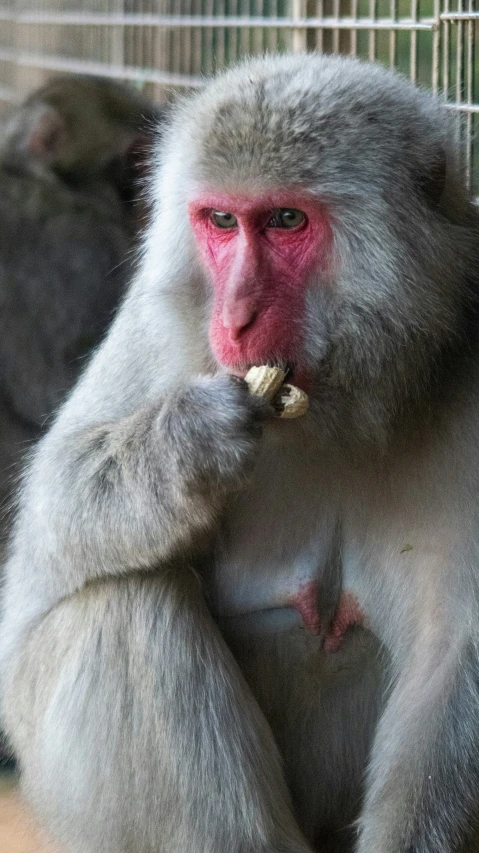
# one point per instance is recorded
(164, 45)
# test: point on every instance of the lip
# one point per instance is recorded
(243, 370)
(299, 377)
(238, 371)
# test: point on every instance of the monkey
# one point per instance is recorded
(224, 631)
(68, 157)
(71, 165)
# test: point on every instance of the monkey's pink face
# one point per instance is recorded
(261, 254)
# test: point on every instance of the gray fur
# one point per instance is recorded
(163, 519)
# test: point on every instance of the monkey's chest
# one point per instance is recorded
(277, 559)
(267, 594)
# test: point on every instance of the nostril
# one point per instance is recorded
(238, 330)
(238, 316)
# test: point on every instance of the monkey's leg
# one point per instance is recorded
(322, 709)
(136, 732)
(424, 772)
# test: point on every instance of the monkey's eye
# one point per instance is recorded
(223, 220)
(286, 217)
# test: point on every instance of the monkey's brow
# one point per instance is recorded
(246, 205)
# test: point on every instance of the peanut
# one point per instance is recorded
(268, 382)
(264, 381)
(291, 401)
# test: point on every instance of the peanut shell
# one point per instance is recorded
(292, 402)
(264, 381)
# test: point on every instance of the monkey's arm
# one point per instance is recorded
(144, 709)
(140, 491)
(144, 715)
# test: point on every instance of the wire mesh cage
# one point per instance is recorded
(165, 45)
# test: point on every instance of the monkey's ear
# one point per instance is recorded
(433, 182)
(46, 134)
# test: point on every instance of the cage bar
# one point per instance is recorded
(168, 45)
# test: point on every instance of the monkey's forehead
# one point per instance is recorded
(301, 119)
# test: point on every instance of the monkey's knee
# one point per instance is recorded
(86, 716)
(121, 749)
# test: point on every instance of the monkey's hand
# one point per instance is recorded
(212, 429)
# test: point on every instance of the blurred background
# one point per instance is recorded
(163, 46)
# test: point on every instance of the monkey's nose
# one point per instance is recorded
(238, 316)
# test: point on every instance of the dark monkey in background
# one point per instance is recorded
(226, 633)
(68, 222)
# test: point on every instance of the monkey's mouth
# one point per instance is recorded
(242, 369)
(294, 374)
